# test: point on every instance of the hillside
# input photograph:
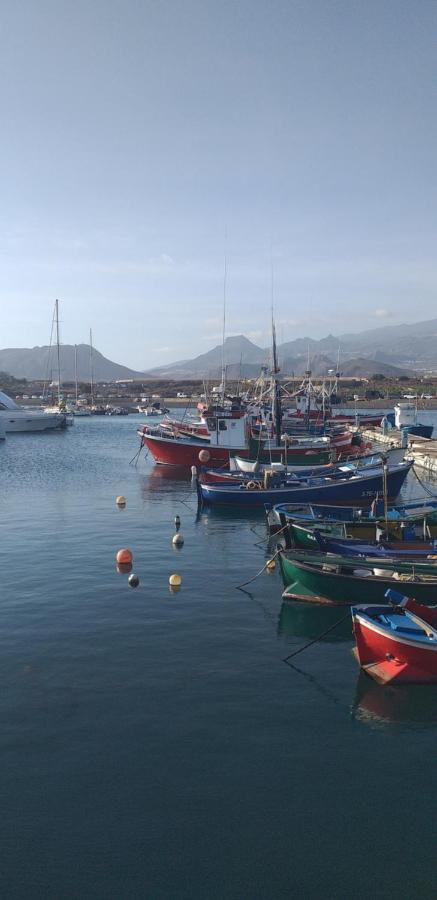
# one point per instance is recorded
(40, 363)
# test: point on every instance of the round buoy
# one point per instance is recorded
(204, 456)
(194, 470)
(133, 580)
(124, 556)
(175, 580)
(177, 539)
(177, 522)
(270, 565)
(120, 501)
(124, 568)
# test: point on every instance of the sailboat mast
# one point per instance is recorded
(91, 369)
(58, 349)
(223, 382)
(75, 372)
(276, 391)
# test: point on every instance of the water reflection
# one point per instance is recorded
(310, 620)
(380, 705)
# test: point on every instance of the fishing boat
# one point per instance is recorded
(397, 645)
(351, 487)
(254, 466)
(310, 537)
(359, 521)
(383, 548)
(225, 433)
(348, 581)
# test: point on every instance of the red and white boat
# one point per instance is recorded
(222, 433)
(398, 644)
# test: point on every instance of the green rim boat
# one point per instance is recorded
(325, 578)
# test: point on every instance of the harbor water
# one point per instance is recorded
(154, 744)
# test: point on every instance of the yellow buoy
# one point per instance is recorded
(120, 501)
(175, 580)
(270, 564)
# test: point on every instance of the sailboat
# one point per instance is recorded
(78, 409)
(60, 407)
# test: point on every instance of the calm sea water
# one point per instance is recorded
(155, 744)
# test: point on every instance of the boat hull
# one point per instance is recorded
(361, 489)
(347, 589)
(168, 451)
(395, 658)
(21, 421)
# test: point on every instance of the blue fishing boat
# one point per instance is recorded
(353, 488)
(387, 549)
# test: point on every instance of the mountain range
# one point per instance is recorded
(391, 350)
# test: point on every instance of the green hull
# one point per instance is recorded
(277, 454)
(304, 537)
(344, 587)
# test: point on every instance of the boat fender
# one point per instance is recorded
(252, 485)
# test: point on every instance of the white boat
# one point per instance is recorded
(14, 418)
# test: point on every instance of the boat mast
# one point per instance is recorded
(91, 369)
(276, 391)
(58, 350)
(223, 382)
(75, 371)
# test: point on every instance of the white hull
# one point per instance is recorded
(24, 420)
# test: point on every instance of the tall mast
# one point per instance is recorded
(58, 349)
(276, 391)
(75, 371)
(224, 325)
(91, 369)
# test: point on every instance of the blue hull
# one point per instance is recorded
(362, 489)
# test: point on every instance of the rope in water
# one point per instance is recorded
(318, 638)
(238, 586)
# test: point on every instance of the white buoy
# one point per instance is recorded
(177, 539)
(175, 580)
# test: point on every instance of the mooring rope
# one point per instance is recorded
(318, 638)
(238, 586)
(423, 485)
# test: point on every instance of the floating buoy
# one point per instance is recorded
(133, 580)
(177, 522)
(175, 580)
(120, 501)
(194, 470)
(124, 556)
(177, 539)
(270, 565)
(204, 456)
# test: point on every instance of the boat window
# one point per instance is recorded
(222, 425)
(211, 423)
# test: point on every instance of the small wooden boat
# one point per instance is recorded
(349, 581)
(397, 645)
(361, 521)
(352, 487)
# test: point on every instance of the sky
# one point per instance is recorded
(146, 141)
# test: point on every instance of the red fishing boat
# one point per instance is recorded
(397, 645)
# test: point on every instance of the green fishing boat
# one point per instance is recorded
(347, 581)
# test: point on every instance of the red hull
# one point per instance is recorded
(184, 453)
(392, 659)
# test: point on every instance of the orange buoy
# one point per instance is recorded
(204, 456)
(124, 556)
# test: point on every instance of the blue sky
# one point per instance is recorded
(136, 133)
